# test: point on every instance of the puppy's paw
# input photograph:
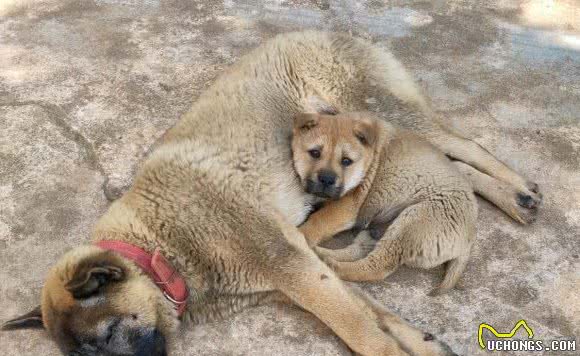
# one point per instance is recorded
(365, 242)
(366, 248)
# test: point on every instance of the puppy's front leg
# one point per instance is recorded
(335, 216)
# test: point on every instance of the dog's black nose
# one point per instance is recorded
(327, 178)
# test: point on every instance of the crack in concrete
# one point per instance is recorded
(56, 116)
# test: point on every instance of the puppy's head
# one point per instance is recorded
(97, 303)
(332, 153)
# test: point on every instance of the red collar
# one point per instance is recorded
(156, 266)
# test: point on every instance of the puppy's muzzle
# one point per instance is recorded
(327, 179)
(324, 186)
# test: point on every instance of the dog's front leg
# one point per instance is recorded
(359, 321)
(310, 284)
(412, 340)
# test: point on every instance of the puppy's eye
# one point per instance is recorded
(346, 161)
(314, 153)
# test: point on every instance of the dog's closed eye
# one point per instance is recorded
(111, 329)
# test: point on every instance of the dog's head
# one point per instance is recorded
(332, 153)
(95, 302)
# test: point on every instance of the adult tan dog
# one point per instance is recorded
(219, 200)
(393, 184)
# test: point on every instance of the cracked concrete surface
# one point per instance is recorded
(87, 87)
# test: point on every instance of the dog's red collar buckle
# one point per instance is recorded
(156, 266)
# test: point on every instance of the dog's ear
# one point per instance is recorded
(91, 276)
(305, 121)
(30, 320)
(366, 131)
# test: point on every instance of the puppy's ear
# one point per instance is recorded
(30, 320)
(366, 131)
(305, 121)
(92, 275)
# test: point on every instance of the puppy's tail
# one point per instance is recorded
(454, 270)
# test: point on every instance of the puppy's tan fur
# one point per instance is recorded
(220, 199)
(402, 188)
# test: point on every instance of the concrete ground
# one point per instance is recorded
(87, 86)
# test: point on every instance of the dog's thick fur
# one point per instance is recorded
(398, 186)
(220, 199)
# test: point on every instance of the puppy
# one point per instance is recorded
(390, 181)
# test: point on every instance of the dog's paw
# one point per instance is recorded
(526, 206)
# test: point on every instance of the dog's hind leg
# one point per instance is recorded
(463, 149)
(403, 103)
(489, 177)
(519, 206)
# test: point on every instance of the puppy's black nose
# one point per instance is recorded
(327, 178)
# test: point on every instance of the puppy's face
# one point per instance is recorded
(96, 303)
(332, 153)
